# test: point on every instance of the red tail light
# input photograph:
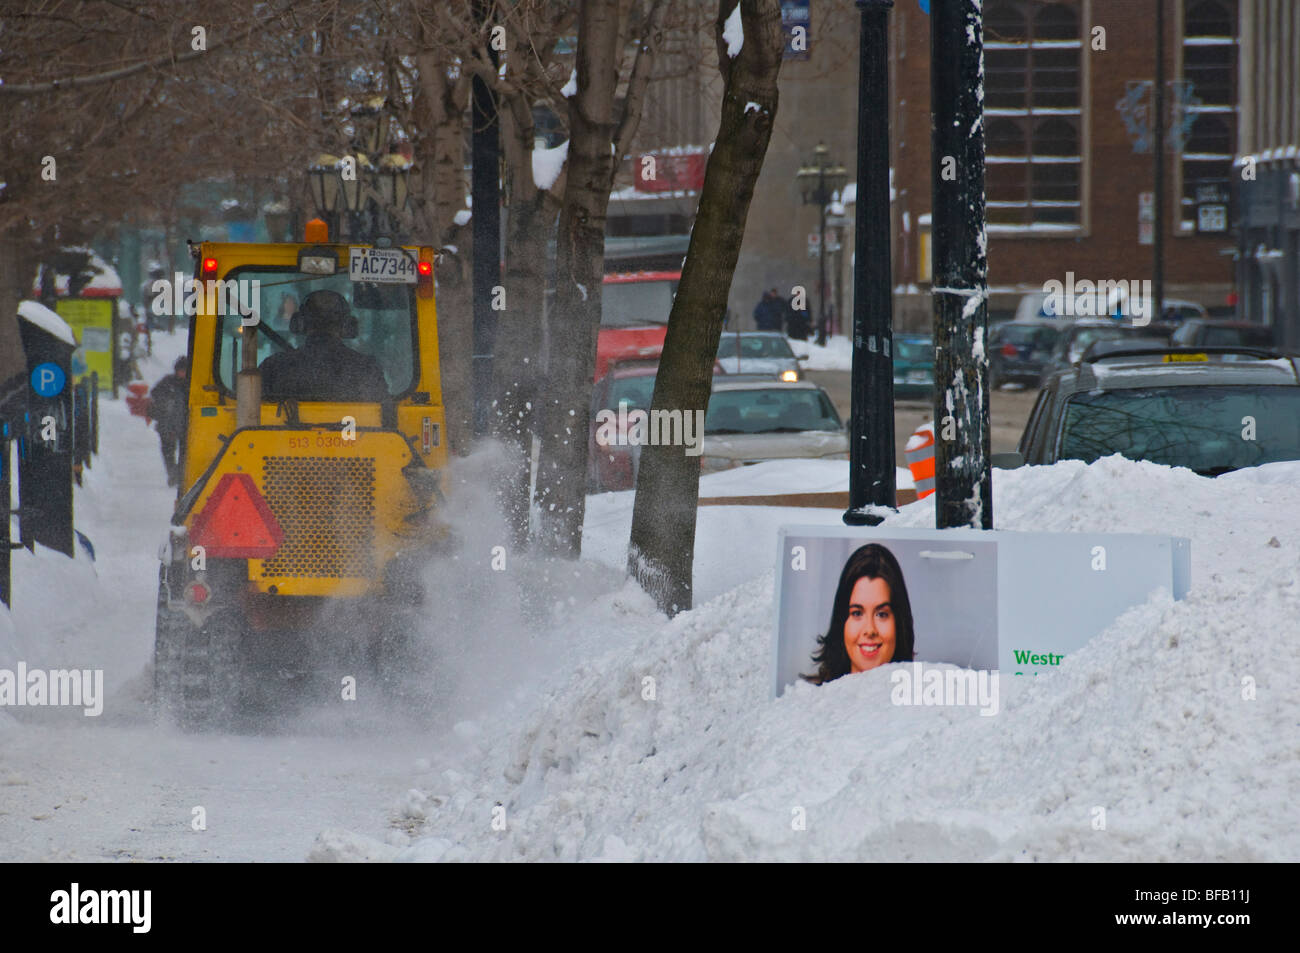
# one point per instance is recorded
(236, 523)
(209, 268)
(1009, 350)
(197, 593)
(424, 273)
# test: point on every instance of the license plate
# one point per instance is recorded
(384, 265)
(1174, 358)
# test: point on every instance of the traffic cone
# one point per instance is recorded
(920, 459)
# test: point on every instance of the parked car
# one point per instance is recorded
(759, 352)
(1223, 334)
(1034, 307)
(1176, 311)
(756, 421)
(614, 467)
(1180, 406)
(1077, 336)
(632, 383)
(1019, 351)
(913, 365)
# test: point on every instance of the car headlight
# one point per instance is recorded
(789, 375)
(717, 463)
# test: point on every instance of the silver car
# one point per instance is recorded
(759, 352)
(752, 421)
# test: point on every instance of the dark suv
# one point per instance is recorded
(1019, 350)
(1209, 409)
(1223, 334)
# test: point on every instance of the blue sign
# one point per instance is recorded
(925, 6)
(796, 22)
(48, 379)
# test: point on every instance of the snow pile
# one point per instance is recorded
(547, 164)
(1171, 736)
(787, 476)
(837, 355)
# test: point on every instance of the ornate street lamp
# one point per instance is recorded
(375, 196)
(323, 178)
(819, 181)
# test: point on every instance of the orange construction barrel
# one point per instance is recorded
(920, 459)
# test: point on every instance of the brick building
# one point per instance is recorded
(1268, 223)
(1069, 172)
(1067, 106)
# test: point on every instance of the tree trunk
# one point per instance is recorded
(441, 117)
(517, 364)
(662, 546)
(17, 268)
(580, 264)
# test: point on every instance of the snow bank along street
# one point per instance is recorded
(1178, 722)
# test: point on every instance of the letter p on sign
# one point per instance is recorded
(48, 379)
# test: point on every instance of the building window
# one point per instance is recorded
(1210, 78)
(1032, 87)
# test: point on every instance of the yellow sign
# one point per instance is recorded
(1174, 358)
(91, 320)
(923, 255)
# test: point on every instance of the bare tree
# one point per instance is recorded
(662, 545)
(533, 78)
(598, 134)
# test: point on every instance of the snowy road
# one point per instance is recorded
(130, 793)
(117, 787)
(1179, 720)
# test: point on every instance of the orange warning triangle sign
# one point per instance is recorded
(236, 523)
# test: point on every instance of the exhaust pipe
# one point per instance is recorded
(248, 383)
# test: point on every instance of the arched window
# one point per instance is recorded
(1006, 21)
(1210, 18)
(1057, 21)
(1005, 137)
(1210, 78)
(1032, 87)
(1056, 137)
(1211, 134)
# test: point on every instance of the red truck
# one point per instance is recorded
(634, 316)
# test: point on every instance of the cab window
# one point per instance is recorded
(385, 313)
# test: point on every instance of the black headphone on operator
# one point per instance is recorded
(322, 309)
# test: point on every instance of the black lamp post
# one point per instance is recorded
(819, 182)
(963, 481)
(872, 479)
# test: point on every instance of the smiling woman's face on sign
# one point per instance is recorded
(869, 629)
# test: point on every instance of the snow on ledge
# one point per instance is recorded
(46, 320)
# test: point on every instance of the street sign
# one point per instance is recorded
(1211, 219)
(1146, 233)
(814, 244)
(48, 379)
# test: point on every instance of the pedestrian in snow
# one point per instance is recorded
(167, 405)
(765, 316)
(797, 323)
(871, 618)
